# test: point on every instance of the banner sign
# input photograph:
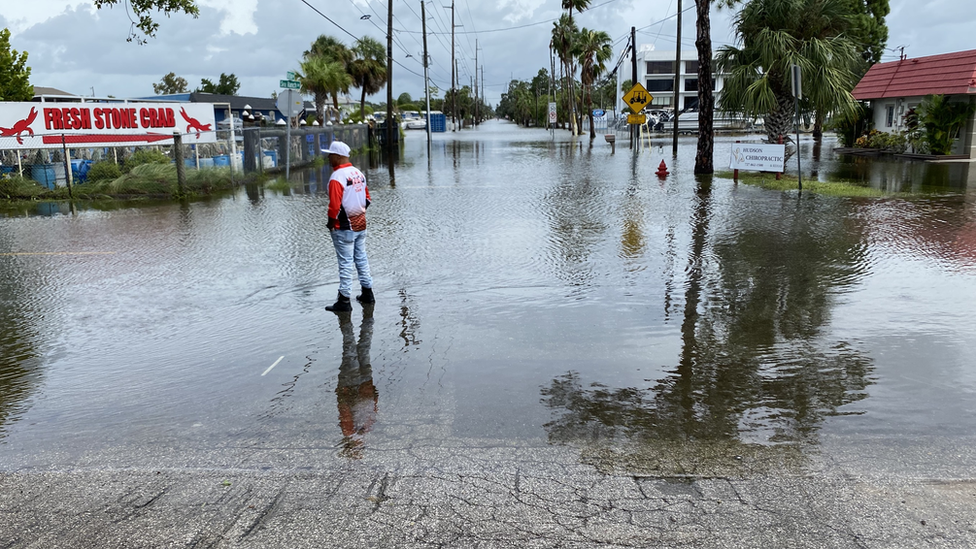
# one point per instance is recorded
(29, 125)
(758, 157)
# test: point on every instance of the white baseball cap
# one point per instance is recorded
(337, 147)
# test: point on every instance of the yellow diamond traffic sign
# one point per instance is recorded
(637, 98)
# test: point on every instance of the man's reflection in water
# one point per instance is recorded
(355, 393)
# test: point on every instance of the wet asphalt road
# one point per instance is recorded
(565, 352)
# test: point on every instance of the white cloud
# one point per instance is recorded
(238, 15)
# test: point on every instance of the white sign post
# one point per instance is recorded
(289, 103)
(758, 157)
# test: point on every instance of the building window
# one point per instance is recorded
(691, 84)
(660, 85)
(691, 67)
(660, 67)
(889, 116)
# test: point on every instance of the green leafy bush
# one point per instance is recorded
(144, 156)
(105, 170)
(941, 121)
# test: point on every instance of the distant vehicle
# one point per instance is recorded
(225, 124)
(416, 124)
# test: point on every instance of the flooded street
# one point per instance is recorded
(532, 294)
(528, 293)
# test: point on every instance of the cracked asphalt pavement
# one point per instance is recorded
(491, 497)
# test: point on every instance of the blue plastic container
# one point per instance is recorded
(44, 174)
(79, 170)
(221, 160)
(273, 155)
(438, 122)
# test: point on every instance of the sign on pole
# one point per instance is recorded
(637, 98)
(552, 113)
(636, 118)
(290, 84)
(290, 103)
(758, 157)
(291, 75)
(797, 85)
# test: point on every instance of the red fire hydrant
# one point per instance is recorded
(662, 170)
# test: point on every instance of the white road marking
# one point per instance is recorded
(273, 365)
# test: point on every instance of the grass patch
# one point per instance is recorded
(788, 182)
(280, 184)
(146, 180)
(160, 180)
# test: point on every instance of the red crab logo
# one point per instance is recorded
(194, 123)
(20, 127)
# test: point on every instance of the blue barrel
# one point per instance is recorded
(44, 174)
(221, 160)
(79, 170)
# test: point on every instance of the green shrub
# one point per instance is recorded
(105, 170)
(144, 156)
(17, 187)
(891, 142)
(941, 121)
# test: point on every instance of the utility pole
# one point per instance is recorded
(633, 72)
(423, 17)
(476, 97)
(677, 81)
(390, 157)
(453, 73)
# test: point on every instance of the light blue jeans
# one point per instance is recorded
(350, 247)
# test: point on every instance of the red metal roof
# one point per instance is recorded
(946, 74)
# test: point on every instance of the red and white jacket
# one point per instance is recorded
(348, 199)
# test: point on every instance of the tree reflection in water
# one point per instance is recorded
(756, 377)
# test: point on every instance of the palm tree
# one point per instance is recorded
(322, 77)
(331, 48)
(368, 69)
(775, 35)
(593, 50)
(578, 5)
(564, 34)
(322, 61)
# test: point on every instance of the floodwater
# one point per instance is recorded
(530, 291)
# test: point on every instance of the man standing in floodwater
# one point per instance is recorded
(348, 200)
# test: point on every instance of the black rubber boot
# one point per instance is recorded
(342, 304)
(366, 296)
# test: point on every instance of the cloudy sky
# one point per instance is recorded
(84, 51)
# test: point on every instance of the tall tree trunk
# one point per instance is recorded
(321, 98)
(362, 105)
(589, 110)
(706, 99)
(779, 121)
(818, 127)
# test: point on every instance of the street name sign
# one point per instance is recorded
(290, 84)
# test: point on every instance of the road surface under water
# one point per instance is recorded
(530, 291)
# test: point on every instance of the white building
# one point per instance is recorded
(655, 71)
